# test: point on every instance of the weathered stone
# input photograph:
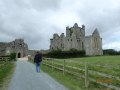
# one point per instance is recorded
(75, 38)
(17, 46)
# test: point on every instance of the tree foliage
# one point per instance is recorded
(111, 52)
(65, 54)
(12, 56)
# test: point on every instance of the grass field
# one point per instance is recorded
(5, 71)
(98, 59)
(108, 65)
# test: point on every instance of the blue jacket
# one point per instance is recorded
(37, 58)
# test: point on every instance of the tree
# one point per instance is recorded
(13, 56)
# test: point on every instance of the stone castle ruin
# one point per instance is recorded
(75, 39)
(17, 46)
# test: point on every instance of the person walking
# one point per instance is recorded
(37, 61)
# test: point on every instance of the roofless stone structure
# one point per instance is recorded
(75, 38)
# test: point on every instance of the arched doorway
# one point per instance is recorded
(19, 55)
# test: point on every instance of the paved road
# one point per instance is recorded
(26, 78)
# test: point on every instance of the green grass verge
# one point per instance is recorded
(70, 81)
(5, 71)
(111, 61)
(74, 83)
(66, 80)
(98, 59)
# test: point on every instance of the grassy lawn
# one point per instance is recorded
(111, 63)
(66, 80)
(98, 59)
(5, 72)
(70, 81)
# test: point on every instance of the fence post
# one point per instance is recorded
(2, 59)
(52, 63)
(5, 59)
(86, 75)
(45, 61)
(64, 67)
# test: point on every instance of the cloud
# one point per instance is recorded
(43, 5)
(37, 20)
(114, 45)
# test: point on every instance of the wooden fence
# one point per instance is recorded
(86, 75)
(4, 58)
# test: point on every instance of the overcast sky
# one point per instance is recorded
(37, 20)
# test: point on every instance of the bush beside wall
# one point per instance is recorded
(65, 54)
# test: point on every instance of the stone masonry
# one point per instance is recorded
(75, 39)
(17, 46)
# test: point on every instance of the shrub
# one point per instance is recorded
(111, 52)
(12, 56)
(65, 54)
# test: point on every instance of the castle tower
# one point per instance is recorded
(93, 44)
(76, 39)
(97, 42)
(62, 41)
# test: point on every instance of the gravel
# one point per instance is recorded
(26, 78)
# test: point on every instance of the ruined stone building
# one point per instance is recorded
(75, 39)
(18, 46)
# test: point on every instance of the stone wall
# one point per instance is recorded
(17, 46)
(75, 38)
(3, 48)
